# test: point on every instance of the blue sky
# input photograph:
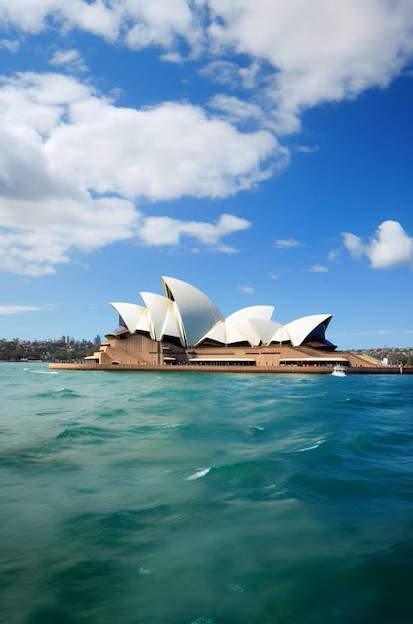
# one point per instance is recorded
(259, 152)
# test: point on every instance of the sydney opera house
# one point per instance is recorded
(183, 327)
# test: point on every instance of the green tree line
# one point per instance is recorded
(55, 350)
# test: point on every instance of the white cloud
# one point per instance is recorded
(157, 22)
(300, 54)
(14, 309)
(324, 52)
(12, 45)
(166, 152)
(72, 164)
(318, 268)
(287, 243)
(229, 73)
(333, 254)
(248, 290)
(389, 247)
(226, 249)
(71, 59)
(250, 75)
(38, 235)
(353, 244)
(273, 277)
(222, 72)
(306, 149)
(157, 231)
(72, 146)
(137, 22)
(34, 16)
(238, 111)
(234, 109)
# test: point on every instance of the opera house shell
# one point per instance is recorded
(186, 313)
(183, 326)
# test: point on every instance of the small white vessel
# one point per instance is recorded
(339, 370)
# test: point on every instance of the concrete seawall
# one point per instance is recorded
(188, 368)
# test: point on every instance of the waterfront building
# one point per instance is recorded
(184, 327)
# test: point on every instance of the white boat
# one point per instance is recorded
(339, 370)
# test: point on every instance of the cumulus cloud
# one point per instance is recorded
(301, 55)
(248, 290)
(353, 244)
(138, 22)
(157, 231)
(34, 16)
(287, 243)
(159, 22)
(389, 247)
(74, 147)
(324, 52)
(38, 235)
(72, 166)
(166, 152)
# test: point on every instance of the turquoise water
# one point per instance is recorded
(147, 498)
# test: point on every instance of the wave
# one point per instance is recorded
(199, 474)
(326, 486)
(80, 432)
(310, 448)
(64, 390)
(61, 393)
(383, 445)
(306, 448)
(379, 402)
(145, 571)
(43, 372)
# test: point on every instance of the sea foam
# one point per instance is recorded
(199, 474)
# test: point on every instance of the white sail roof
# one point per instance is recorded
(188, 314)
(297, 331)
(162, 316)
(233, 334)
(251, 312)
(218, 333)
(171, 326)
(134, 316)
(281, 335)
(265, 329)
(250, 324)
(241, 322)
(197, 313)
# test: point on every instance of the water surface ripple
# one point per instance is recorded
(147, 498)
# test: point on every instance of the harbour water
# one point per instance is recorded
(142, 498)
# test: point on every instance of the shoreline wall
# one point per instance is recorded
(187, 368)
